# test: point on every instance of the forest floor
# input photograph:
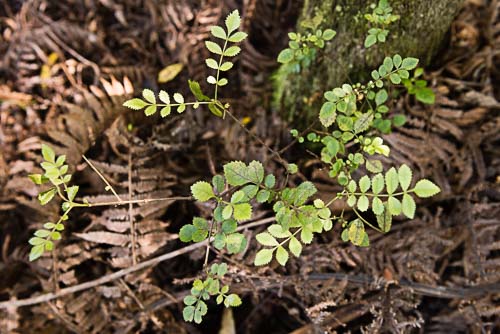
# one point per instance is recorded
(67, 67)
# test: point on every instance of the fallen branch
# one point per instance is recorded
(421, 289)
(14, 303)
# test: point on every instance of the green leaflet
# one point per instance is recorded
(238, 173)
(425, 188)
(202, 191)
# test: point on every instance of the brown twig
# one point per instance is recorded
(116, 275)
(130, 211)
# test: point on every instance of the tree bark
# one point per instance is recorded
(418, 33)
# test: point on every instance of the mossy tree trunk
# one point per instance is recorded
(419, 33)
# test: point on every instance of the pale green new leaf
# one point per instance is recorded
(226, 66)
(189, 300)
(213, 47)
(227, 212)
(370, 40)
(181, 108)
(38, 179)
(285, 56)
(163, 96)
(263, 257)
(295, 246)
(395, 78)
(188, 313)
(327, 114)
(150, 110)
(232, 51)
(384, 221)
(46, 196)
(363, 203)
(212, 63)
(48, 153)
(263, 196)
(135, 104)
(404, 176)
(277, 231)
(281, 255)
(356, 232)
(391, 180)
(237, 197)
(374, 166)
(202, 191)
(233, 21)
(178, 98)
(237, 37)
(397, 60)
(149, 96)
(266, 239)
(71, 191)
(394, 206)
(36, 252)
(352, 186)
(378, 183)
(306, 235)
(363, 123)
(235, 173)
(409, 63)
(425, 188)
(232, 300)
(165, 111)
(328, 34)
(377, 206)
(211, 80)
(255, 172)
(364, 184)
(381, 97)
(218, 32)
(242, 211)
(408, 206)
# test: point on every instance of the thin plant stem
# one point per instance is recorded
(258, 139)
(218, 69)
(135, 201)
(205, 263)
(130, 213)
(366, 221)
(102, 178)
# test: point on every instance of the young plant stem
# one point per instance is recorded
(366, 222)
(383, 195)
(102, 178)
(257, 138)
(130, 211)
(218, 69)
(178, 104)
(205, 263)
(136, 201)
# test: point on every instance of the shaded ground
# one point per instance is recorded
(68, 66)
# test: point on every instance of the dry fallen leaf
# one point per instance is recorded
(170, 72)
